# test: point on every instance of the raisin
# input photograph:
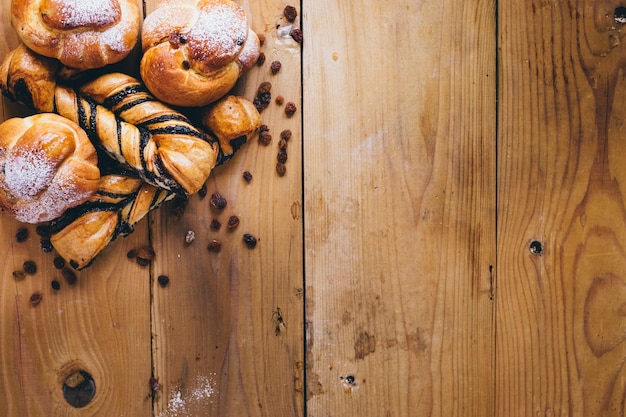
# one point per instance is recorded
(43, 231)
(290, 13)
(290, 108)
(247, 176)
(143, 261)
(282, 156)
(265, 138)
(56, 285)
(285, 134)
(46, 245)
(218, 202)
(202, 192)
(19, 275)
(233, 222)
(58, 262)
(279, 100)
(296, 34)
(214, 246)
(30, 267)
(163, 280)
(275, 67)
(282, 144)
(131, 254)
(146, 252)
(249, 240)
(21, 235)
(215, 225)
(261, 59)
(281, 169)
(69, 276)
(261, 37)
(36, 298)
(190, 236)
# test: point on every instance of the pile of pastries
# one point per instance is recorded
(103, 148)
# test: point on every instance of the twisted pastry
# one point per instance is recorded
(48, 165)
(122, 118)
(195, 50)
(81, 34)
(121, 200)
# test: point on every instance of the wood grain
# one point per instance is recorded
(561, 185)
(400, 208)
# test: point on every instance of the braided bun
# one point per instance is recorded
(48, 165)
(81, 34)
(195, 50)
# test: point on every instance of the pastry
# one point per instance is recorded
(48, 165)
(195, 50)
(81, 34)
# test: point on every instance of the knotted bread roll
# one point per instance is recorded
(195, 50)
(81, 34)
(48, 165)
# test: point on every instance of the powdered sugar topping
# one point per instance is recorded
(28, 172)
(97, 13)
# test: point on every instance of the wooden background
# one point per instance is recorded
(448, 239)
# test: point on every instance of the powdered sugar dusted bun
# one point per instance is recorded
(195, 50)
(80, 33)
(49, 165)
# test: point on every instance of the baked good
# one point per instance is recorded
(195, 50)
(81, 34)
(48, 165)
(121, 200)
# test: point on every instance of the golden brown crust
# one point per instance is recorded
(231, 118)
(81, 34)
(49, 165)
(195, 50)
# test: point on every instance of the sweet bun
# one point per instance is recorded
(195, 50)
(48, 165)
(81, 34)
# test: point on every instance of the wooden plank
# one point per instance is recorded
(561, 256)
(399, 207)
(100, 325)
(228, 330)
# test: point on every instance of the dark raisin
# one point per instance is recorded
(43, 231)
(247, 176)
(154, 384)
(275, 67)
(282, 144)
(261, 59)
(143, 261)
(56, 285)
(249, 240)
(264, 87)
(30, 267)
(186, 64)
(282, 156)
(19, 275)
(265, 138)
(214, 246)
(46, 245)
(146, 252)
(131, 254)
(233, 222)
(69, 276)
(202, 192)
(179, 204)
(215, 225)
(285, 134)
(290, 108)
(290, 13)
(279, 100)
(264, 128)
(21, 235)
(218, 202)
(190, 236)
(296, 34)
(281, 169)
(58, 262)
(36, 298)
(163, 280)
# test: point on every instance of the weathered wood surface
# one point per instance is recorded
(448, 239)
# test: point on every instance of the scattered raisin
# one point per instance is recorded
(215, 225)
(46, 245)
(56, 285)
(247, 176)
(143, 261)
(264, 87)
(249, 240)
(146, 252)
(233, 222)
(43, 231)
(285, 134)
(282, 144)
(163, 280)
(265, 138)
(190, 236)
(275, 67)
(281, 169)
(131, 254)
(69, 276)
(282, 156)
(264, 128)
(30, 267)
(58, 262)
(36, 298)
(290, 108)
(202, 192)
(290, 13)
(214, 246)
(261, 59)
(279, 100)
(179, 204)
(218, 202)
(19, 275)
(296, 34)
(21, 235)
(154, 384)
(263, 96)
